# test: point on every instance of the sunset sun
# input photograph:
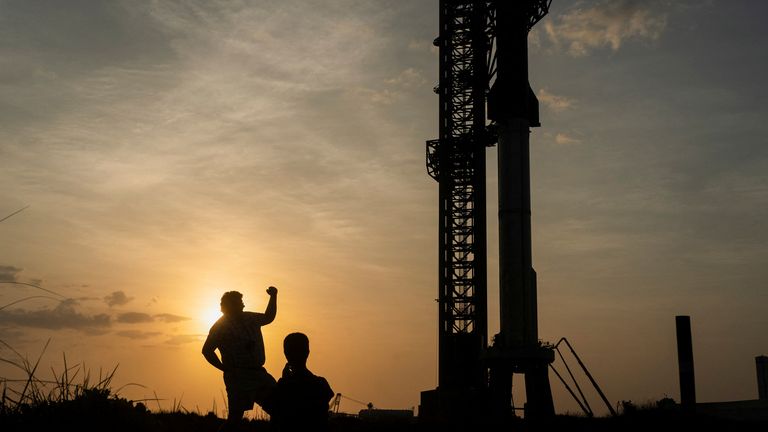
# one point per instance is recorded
(209, 316)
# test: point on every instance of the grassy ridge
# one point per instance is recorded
(74, 399)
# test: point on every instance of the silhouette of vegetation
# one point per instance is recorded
(75, 399)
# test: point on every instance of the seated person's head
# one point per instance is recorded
(296, 348)
(232, 303)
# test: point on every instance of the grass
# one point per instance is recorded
(76, 399)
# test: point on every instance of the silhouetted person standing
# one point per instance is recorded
(237, 336)
(301, 398)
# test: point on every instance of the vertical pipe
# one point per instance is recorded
(761, 362)
(517, 279)
(685, 362)
(515, 268)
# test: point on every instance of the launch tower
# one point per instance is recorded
(485, 100)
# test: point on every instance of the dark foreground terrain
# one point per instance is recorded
(99, 410)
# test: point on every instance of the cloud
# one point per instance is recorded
(394, 90)
(186, 126)
(381, 97)
(137, 334)
(609, 23)
(183, 339)
(134, 317)
(117, 298)
(408, 78)
(565, 139)
(63, 316)
(8, 273)
(554, 102)
(170, 318)
(141, 317)
(422, 45)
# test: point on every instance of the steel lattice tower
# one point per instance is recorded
(484, 99)
(457, 162)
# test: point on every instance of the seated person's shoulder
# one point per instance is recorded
(305, 381)
(323, 387)
(321, 381)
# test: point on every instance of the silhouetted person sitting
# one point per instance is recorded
(300, 401)
(237, 336)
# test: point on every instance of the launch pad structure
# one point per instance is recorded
(484, 100)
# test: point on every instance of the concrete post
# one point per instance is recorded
(685, 363)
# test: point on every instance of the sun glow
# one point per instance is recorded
(210, 316)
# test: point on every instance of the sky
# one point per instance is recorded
(170, 151)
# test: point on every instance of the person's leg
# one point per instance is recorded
(235, 410)
(264, 387)
(233, 420)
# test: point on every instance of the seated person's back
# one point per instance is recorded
(301, 398)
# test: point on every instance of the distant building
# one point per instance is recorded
(748, 410)
(761, 362)
(387, 415)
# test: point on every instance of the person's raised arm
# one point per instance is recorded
(209, 352)
(271, 311)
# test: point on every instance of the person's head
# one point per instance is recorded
(232, 303)
(296, 349)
